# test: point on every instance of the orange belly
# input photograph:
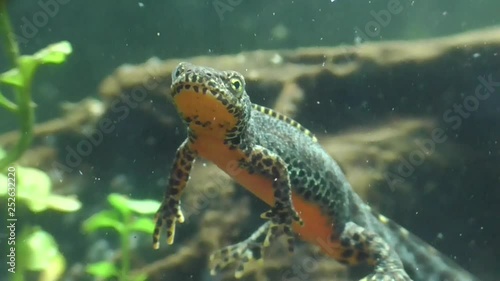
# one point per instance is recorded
(317, 228)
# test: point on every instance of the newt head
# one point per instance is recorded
(212, 103)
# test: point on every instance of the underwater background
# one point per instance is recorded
(374, 80)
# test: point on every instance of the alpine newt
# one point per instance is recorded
(282, 163)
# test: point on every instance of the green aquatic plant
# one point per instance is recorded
(39, 252)
(30, 248)
(20, 79)
(33, 189)
(126, 217)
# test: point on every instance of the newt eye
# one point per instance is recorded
(236, 84)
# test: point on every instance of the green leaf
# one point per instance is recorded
(3, 185)
(12, 77)
(143, 225)
(144, 207)
(55, 270)
(125, 204)
(63, 203)
(103, 270)
(119, 202)
(41, 250)
(102, 220)
(33, 187)
(54, 53)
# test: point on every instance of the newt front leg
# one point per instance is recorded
(170, 210)
(281, 217)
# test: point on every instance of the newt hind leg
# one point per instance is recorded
(240, 254)
(360, 245)
(281, 216)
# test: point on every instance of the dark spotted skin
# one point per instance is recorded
(283, 164)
